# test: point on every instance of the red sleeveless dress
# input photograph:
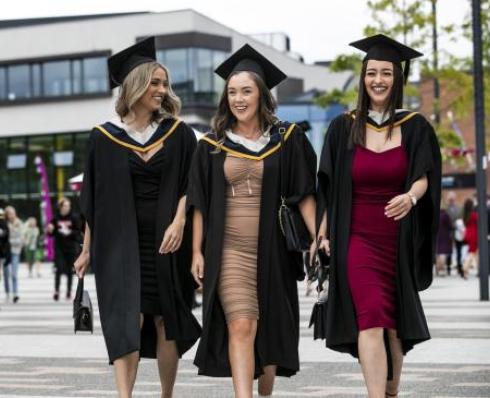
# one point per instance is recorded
(376, 178)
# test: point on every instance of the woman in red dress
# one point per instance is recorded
(470, 217)
(377, 163)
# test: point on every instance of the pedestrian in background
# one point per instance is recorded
(454, 211)
(134, 198)
(66, 230)
(379, 198)
(31, 239)
(16, 239)
(444, 243)
(470, 218)
(4, 250)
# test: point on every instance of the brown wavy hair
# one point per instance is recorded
(134, 87)
(224, 120)
(395, 100)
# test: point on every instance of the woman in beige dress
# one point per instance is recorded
(250, 311)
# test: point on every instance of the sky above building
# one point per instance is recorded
(318, 29)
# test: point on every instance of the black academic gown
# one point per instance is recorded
(417, 234)
(107, 202)
(277, 270)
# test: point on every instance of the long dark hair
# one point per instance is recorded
(395, 100)
(468, 208)
(224, 119)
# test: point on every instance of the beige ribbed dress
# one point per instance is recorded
(238, 278)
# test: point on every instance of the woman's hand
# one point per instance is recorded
(325, 246)
(172, 238)
(81, 263)
(197, 268)
(399, 207)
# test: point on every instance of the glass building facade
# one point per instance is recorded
(63, 156)
(192, 73)
(319, 119)
(53, 79)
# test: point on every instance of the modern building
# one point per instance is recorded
(54, 87)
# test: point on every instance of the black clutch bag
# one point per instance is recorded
(318, 318)
(83, 315)
(291, 222)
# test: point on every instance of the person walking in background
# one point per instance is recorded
(444, 243)
(137, 239)
(459, 242)
(379, 197)
(470, 218)
(66, 230)
(4, 250)
(454, 211)
(16, 239)
(31, 239)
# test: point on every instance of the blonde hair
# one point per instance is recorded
(134, 87)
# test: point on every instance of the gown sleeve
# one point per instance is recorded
(87, 197)
(326, 170)
(198, 186)
(301, 166)
(189, 146)
(427, 161)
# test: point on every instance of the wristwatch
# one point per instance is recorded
(413, 198)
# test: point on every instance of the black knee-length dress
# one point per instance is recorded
(146, 176)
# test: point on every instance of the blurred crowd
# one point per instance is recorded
(457, 240)
(25, 241)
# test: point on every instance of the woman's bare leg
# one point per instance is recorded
(241, 339)
(168, 359)
(392, 386)
(266, 381)
(374, 364)
(125, 369)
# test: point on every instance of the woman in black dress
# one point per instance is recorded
(133, 198)
(379, 197)
(65, 228)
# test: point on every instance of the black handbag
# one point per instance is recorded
(83, 315)
(291, 222)
(318, 318)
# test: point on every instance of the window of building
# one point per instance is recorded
(80, 149)
(203, 75)
(36, 80)
(192, 73)
(218, 82)
(57, 79)
(95, 75)
(4, 189)
(3, 83)
(17, 175)
(19, 82)
(76, 70)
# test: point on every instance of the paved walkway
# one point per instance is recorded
(41, 357)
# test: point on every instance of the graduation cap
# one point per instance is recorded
(247, 59)
(123, 62)
(383, 48)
